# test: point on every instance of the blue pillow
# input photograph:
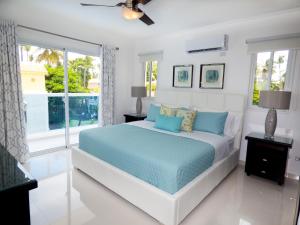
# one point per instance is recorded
(169, 123)
(213, 122)
(153, 113)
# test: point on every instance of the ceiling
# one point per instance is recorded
(169, 15)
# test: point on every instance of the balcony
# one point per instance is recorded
(45, 118)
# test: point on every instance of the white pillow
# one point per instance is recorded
(237, 124)
(233, 125)
(229, 125)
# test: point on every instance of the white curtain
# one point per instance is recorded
(108, 85)
(12, 121)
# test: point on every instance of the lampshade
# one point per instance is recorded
(138, 92)
(275, 99)
(131, 14)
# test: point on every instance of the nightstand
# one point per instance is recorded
(267, 157)
(130, 117)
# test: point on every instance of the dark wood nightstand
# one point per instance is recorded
(131, 117)
(15, 185)
(267, 157)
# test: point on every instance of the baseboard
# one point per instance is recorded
(242, 163)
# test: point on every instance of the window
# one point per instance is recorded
(270, 72)
(151, 71)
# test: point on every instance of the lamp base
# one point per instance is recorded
(270, 124)
(139, 106)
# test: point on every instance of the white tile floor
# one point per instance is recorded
(69, 197)
(54, 139)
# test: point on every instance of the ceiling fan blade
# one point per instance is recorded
(110, 6)
(144, 2)
(147, 20)
(120, 4)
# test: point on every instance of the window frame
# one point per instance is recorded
(289, 73)
(144, 74)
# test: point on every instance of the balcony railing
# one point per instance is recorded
(46, 112)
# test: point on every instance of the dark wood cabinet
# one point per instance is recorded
(131, 117)
(267, 157)
(15, 185)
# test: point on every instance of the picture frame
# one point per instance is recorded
(183, 76)
(212, 76)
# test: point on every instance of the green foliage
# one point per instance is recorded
(83, 67)
(153, 77)
(55, 80)
(154, 71)
(79, 73)
(263, 71)
(153, 87)
(255, 98)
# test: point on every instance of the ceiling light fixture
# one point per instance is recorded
(131, 14)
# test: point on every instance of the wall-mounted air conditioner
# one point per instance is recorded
(213, 43)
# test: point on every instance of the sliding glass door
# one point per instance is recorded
(61, 95)
(83, 93)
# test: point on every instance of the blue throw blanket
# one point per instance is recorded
(166, 161)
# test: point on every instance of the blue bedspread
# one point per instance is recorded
(166, 161)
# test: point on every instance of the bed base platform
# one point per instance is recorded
(166, 208)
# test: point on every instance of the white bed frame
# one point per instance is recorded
(167, 208)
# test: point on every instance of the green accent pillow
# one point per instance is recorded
(167, 111)
(188, 119)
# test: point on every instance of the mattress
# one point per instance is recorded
(223, 145)
(161, 159)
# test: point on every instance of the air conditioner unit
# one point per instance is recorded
(214, 43)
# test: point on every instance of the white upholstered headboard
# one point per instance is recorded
(206, 101)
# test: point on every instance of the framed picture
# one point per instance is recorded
(183, 76)
(212, 76)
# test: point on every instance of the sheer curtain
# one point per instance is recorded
(12, 121)
(108, 85)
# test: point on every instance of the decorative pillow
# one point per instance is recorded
(188, 119)
(169, 123)
(167, 111)
(213, 122)
(153, 113)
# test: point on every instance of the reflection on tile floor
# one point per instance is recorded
(66, 196)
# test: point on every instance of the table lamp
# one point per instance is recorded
(138, 92)
(273, 100)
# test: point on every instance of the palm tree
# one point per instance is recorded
(31, 58)
(27, 49)
(50, 56)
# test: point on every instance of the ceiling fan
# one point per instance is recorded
(130, 10)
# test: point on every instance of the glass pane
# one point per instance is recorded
(147, 76)
(154, 78)
(84, 89)
(279, 70)
(261, 80)
(42, 75)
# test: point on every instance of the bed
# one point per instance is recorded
(163, 177)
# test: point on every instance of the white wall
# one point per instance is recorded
(237, 66)
(24, 13)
